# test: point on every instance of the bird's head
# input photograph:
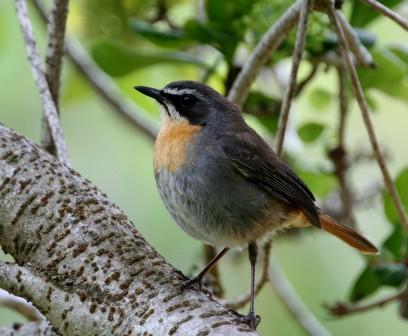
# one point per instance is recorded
(190, 101)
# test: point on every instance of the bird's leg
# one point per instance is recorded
(197, 281)
(251, 319)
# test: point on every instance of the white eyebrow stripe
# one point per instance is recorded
(180, 91)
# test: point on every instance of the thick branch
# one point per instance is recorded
(358, 91)
(103, 84)
(33, 329)
(266, 46)
(20, 306)
(384, 10)
(49, 107)
(55, 52)
(293, 303)
(85, 265)
(290, 89)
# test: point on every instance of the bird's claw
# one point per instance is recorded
(251, 320)
(195, 283)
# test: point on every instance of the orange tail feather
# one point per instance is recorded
(347, 235)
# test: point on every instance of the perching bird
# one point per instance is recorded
(222, 183)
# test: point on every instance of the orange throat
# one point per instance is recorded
(171, 145)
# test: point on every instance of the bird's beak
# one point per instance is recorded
(151, 92)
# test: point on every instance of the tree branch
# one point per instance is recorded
(339, 156)
(362, 55)
(341, 309)
(85, 265)
(244, 299)
(33, 329)
(290, 89)
(53, 61)
(358, 91)
(384, 10)
(265, 47)
(293, 303)
(20, 306)
(103, 84)
(50, 109)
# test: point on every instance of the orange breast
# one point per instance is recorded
(171, 145)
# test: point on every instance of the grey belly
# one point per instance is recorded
(220, 209)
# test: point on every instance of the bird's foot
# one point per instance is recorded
(195, 283)
(251, 320)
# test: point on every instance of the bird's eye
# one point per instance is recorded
(188, 100)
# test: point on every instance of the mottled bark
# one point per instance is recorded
(29, 329)
(81, 261)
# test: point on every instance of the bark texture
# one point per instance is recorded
(82, 262)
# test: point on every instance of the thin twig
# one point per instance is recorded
(103, 84)
(244, 299)
(358, 91)
(341, 309)
(53, 61)
(265, 47)
(304, 82)
(293, 303)
(213, 276)
(34, 58)
(290, 89)
(384, 10)
(360, 52)
(20, 306)
(339, 155)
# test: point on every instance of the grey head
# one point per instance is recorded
(194, 102)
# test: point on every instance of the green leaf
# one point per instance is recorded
(118, 59)
(310, 132)
(226, 11)
(401, 183)
(401, 51)
(361, 14)
(171, 38)
(320, 98)
(320, 183)
(366, 284)
(225, 41)
(393, 275)
(390, 69)
(396, 243)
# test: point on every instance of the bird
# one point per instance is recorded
(223, 184)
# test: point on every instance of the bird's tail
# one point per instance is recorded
(346, 234)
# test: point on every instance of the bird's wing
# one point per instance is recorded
(251, 157)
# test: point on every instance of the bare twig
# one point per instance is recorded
(293, 303)
(362, 55)
(244, 299)
(339, 155)
(55, 52)
(384, 10)
(290, 90)
(341, 309)
(34, 58)
(267, 45)
(358, 91)
(303, 83)
(20, 306)
(103, 84)
(213, 275)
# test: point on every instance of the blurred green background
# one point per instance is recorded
(118, 160)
